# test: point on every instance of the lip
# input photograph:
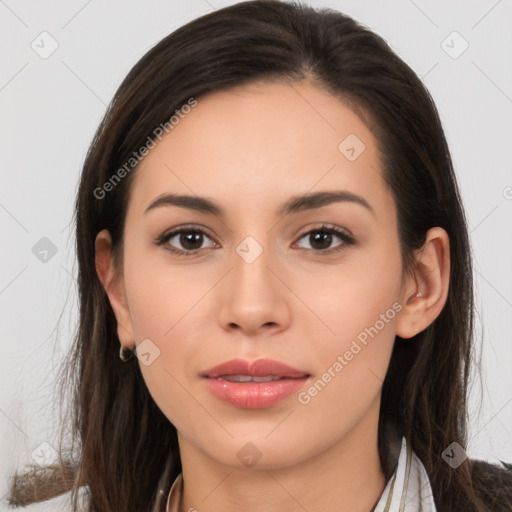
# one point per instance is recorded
(254, 395)
(256, 368)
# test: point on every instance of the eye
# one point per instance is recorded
(190, 238)
(321, 239)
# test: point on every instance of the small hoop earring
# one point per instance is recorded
(125, 354)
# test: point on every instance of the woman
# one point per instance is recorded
(269, 219)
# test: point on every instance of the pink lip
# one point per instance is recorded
(257, 368)
(254, 395)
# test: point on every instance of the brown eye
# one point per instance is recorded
(321, 239)
(184, 241)
(190, 240)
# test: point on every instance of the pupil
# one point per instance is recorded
(188, 239)
(326, 238)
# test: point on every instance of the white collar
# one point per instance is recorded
(409, 488)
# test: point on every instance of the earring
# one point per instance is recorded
(125, 354)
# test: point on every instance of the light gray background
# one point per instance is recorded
(50, 108)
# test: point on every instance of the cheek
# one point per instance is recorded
(165, 315)
(358, 306)
(353, 295)
(167, 306)
(352, 363)
(161, 295)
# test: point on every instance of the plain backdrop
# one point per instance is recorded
(52, 103)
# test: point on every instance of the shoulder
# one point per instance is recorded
(61, 503)
(493, 484)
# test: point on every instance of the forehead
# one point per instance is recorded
(263, 141)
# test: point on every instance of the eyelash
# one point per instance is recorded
(344, 237)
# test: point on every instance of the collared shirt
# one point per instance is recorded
(407, 490)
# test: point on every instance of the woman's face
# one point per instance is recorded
(260, 282)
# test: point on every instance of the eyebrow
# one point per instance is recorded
(293, 205)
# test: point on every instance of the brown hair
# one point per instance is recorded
(124, 439)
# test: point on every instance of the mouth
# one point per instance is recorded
(257, 385)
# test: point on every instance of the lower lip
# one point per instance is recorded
(254, 395)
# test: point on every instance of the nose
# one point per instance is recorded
(253, 297)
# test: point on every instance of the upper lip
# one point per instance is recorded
(256, 368)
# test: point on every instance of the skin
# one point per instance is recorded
(250, 149)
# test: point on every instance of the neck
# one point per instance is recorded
(346, 477)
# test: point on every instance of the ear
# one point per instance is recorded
(112, 281)
(425, 289)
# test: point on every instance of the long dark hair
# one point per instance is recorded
(125, 442)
